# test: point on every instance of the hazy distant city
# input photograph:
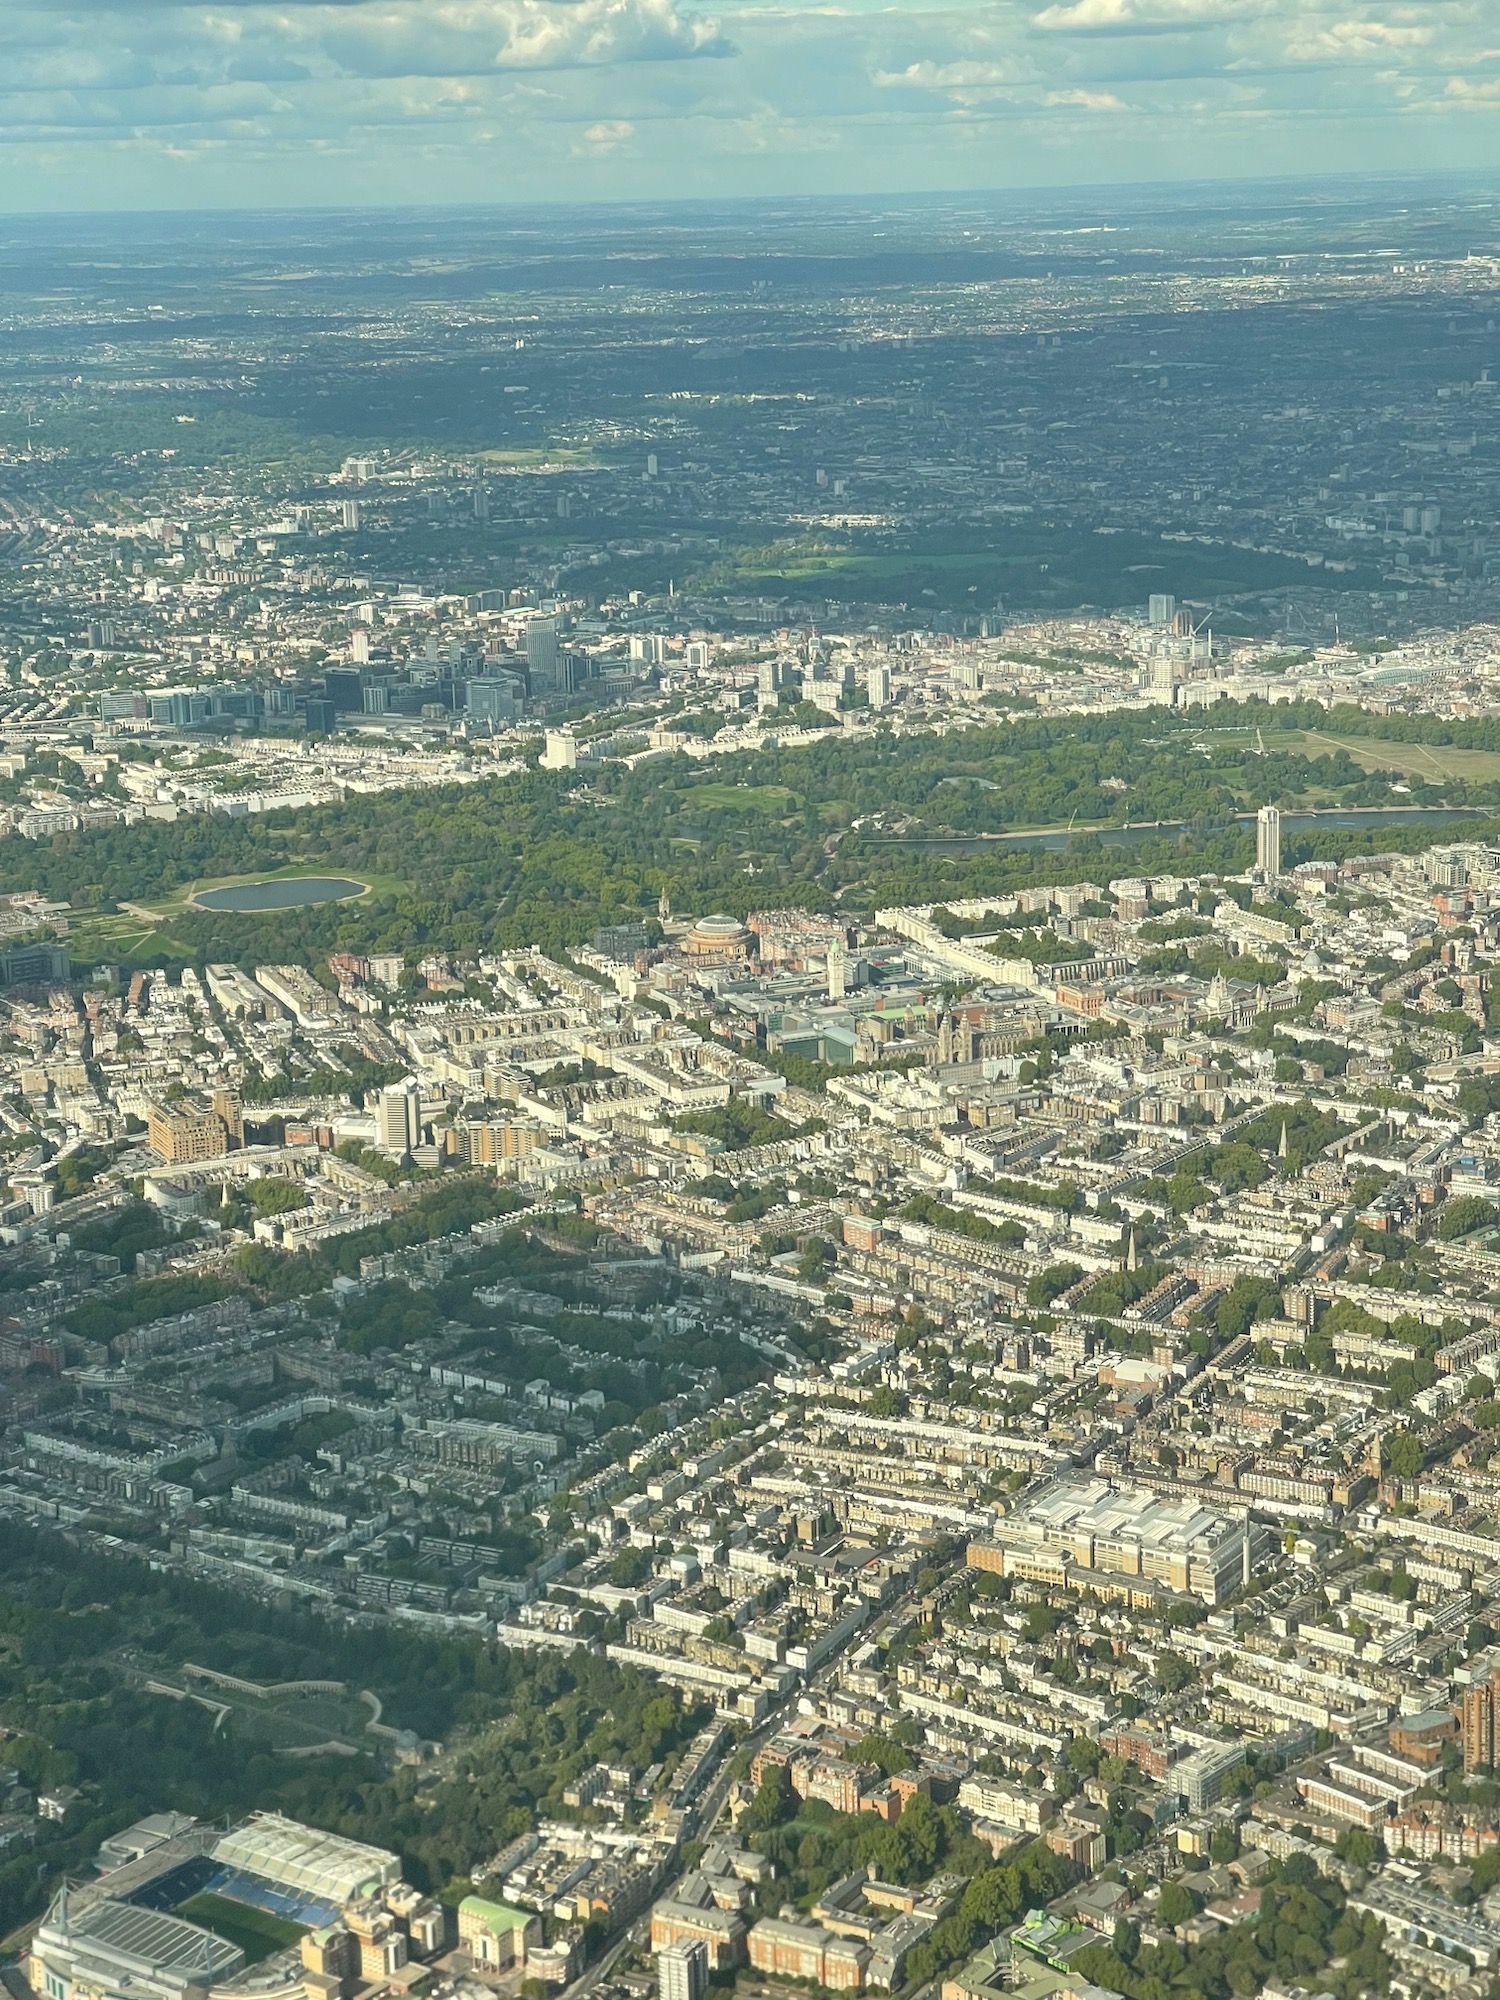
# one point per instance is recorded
(750, 1100)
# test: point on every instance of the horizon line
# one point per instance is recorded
(1332, 179)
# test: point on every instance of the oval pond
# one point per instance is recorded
(290, 893)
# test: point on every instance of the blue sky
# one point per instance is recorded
(161, 103)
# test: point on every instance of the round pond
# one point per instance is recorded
(290, 893)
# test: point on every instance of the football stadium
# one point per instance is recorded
(177, 1905)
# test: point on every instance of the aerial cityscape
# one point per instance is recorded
(750, 1098)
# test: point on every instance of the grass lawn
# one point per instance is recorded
(542, 455)
(99, 936)
(1432, 761)
(256, 1932)
(1037, 563)
(749, 798)
(120, 940)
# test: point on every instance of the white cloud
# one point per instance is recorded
(949, 76)
(1120, 16)
(1314, 42)
(607, 135)
(420, 99)
(125, 49)
(1086, 100)
(419, 38)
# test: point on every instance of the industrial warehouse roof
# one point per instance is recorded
(1114, 1513)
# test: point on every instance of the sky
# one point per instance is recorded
(269, 103)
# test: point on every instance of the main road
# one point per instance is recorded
(699, 1821)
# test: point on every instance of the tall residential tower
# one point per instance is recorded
(1268, 842)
